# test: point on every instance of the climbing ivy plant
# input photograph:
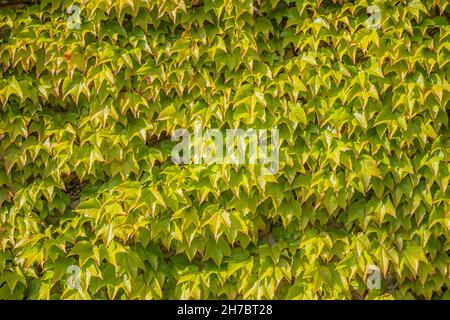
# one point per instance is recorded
(91, 92)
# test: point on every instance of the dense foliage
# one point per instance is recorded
(86, 177)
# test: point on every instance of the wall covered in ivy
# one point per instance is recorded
(93, 207)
